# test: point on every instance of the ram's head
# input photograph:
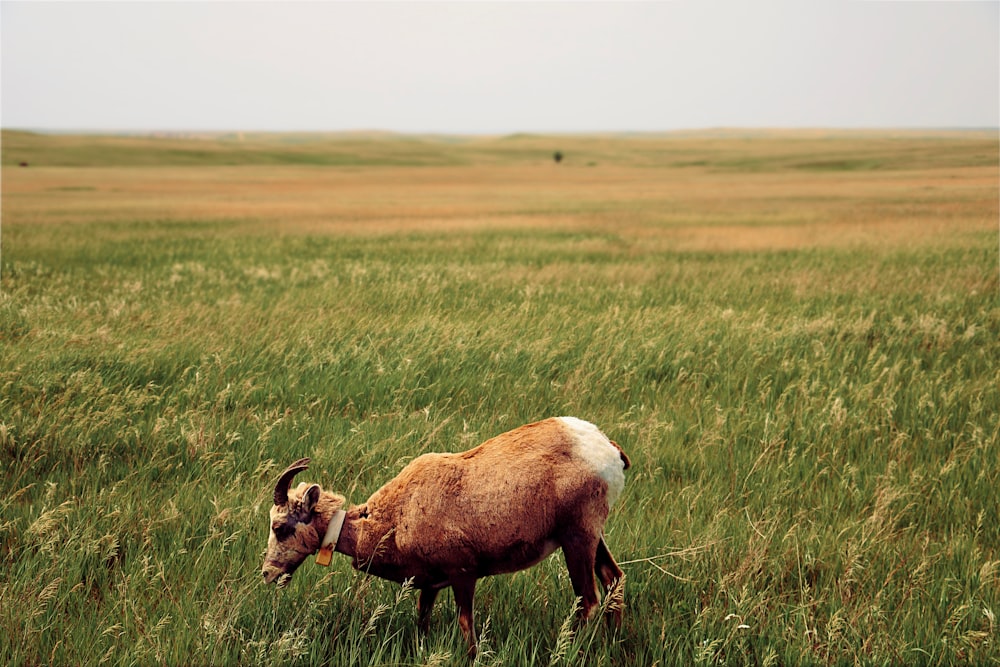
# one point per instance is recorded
(294, 535)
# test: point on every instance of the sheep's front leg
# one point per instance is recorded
(424, 604)
(465, 590)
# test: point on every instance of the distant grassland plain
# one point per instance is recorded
(794, 335)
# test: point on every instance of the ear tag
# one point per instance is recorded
(324, 556)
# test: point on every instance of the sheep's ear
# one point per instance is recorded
(310, 498)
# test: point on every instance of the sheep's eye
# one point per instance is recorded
(282, 530)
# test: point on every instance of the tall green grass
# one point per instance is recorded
(814, 437)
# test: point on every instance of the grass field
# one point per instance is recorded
(794, 335)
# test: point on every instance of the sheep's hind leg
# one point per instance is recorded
(613, 581)
(580, 561)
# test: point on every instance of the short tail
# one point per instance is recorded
(621, 453)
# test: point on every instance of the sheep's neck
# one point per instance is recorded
(330, 537)
(326, 508)
(348, 542)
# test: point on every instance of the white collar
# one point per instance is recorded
(330, 539)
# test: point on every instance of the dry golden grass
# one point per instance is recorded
(720, 193)
(692, 208)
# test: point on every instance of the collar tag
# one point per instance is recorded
(325, 554)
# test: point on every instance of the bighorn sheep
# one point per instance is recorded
(450, 519)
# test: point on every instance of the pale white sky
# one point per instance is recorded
(477, 67)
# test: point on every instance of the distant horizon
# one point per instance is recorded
(497, 68)
(194, 132)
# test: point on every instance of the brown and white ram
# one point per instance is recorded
(450, 519)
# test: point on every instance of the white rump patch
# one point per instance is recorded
(594, 448)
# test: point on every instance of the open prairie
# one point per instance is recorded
(794, 335)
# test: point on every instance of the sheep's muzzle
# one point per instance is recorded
(271, 574)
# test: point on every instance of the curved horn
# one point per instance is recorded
(281, 488)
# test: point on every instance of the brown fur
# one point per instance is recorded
(450, 519)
